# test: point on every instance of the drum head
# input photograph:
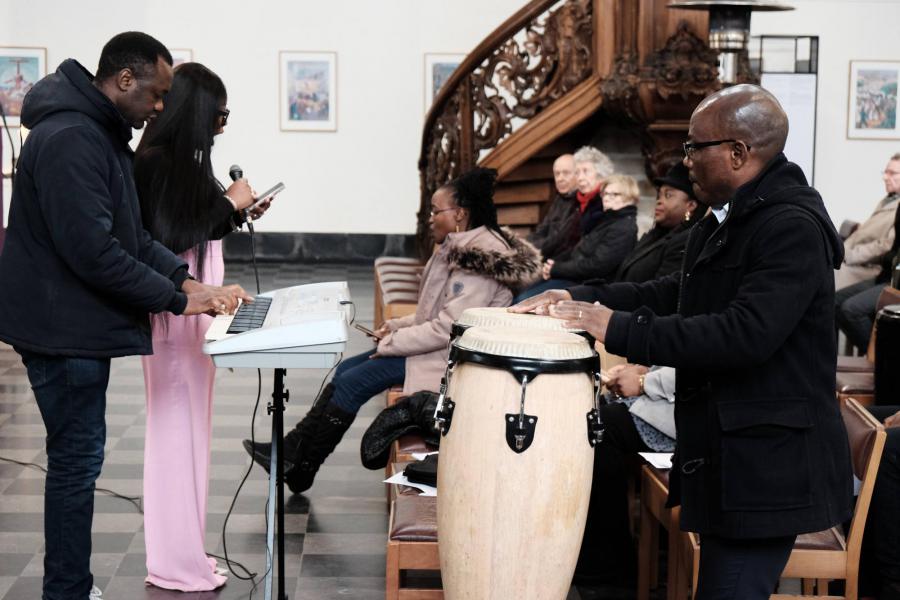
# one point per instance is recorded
(500, 317)
(525, 352)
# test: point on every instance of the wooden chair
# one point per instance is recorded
(412, 544)
(654, 493)
(818, 558)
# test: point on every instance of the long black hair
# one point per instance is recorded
(172, 166)
(474, 190)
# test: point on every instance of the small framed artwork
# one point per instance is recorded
(20, 69)
(872, 111)
(308, 91)
(181, 55)
(438, 69)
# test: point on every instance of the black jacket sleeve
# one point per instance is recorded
(660, 295)
(76, 204)
(775, 290)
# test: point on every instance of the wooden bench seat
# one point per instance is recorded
(412, 543)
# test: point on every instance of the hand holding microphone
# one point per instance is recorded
(239, 191)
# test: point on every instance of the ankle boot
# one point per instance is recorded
(316, 447)
(262, 451)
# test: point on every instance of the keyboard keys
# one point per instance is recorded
(250, 316)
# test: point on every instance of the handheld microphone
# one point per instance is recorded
(236, 172)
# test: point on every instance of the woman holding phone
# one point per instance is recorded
(476, 264)
(186, 209)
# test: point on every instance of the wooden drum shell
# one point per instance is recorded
(510, 525)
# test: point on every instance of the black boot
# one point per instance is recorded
(315, 447)
(262, 451)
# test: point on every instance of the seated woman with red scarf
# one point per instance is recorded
(607, 229)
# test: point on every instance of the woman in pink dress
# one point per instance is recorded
(186, 209)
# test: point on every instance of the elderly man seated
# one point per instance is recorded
(558, 231)
(870, 257)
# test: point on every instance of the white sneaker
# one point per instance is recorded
(95, 594)
(222, 572)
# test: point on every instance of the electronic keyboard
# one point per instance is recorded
(303, 326)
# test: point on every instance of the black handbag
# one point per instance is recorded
(423, 471)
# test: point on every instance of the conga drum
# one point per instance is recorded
(516, 462)
(887, 355)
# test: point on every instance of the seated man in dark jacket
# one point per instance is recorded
(553, 235)
(600, 252)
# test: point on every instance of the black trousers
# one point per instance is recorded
(879, 569)
(607, 550)
(741, 569)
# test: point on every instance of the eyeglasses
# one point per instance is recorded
(223, 112)
(437, 212)
(613, 194)
(690, 147)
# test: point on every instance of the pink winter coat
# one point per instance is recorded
(471, 268)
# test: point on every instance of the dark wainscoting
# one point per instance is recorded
(318, 247)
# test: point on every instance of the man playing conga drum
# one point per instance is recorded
(762, 454)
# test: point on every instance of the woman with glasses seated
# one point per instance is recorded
(186, 209)
(600, 251)
(476, 264)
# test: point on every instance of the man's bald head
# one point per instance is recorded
(564, 173)
(748, 113)
(733, 135)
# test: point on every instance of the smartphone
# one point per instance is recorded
(366, 330)
(269, 193)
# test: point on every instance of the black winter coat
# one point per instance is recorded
(659, 252)
(78, 272)
(602, 249)
(558, 231)
(749, 326)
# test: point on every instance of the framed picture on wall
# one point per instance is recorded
(20, 69)
(181, 55)
(438, 69)
(308, 91)
(872, 112)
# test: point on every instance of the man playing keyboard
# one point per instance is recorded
(79, 275)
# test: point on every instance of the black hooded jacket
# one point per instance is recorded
(749, 325)
(78, 273)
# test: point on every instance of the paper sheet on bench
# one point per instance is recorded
(400, 479)
(660, 460)
(422, 455)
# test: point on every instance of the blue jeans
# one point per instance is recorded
(543, 286)
(741, 569)
(71, 395)
(359, 378)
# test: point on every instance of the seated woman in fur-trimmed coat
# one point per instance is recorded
(476, 264)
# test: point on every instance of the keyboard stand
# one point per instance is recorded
(275, 504)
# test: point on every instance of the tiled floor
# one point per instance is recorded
(336, 532)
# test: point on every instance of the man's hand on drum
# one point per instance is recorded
(625, 380)
(593, 318)
(541, 303)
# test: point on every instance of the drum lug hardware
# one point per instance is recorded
(443, 410)
(595, 426)
(518, 437)
(520, 428)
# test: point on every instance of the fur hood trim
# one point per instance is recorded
(516, 268)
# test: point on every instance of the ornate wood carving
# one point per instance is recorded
(686, 66)
(540, 57)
